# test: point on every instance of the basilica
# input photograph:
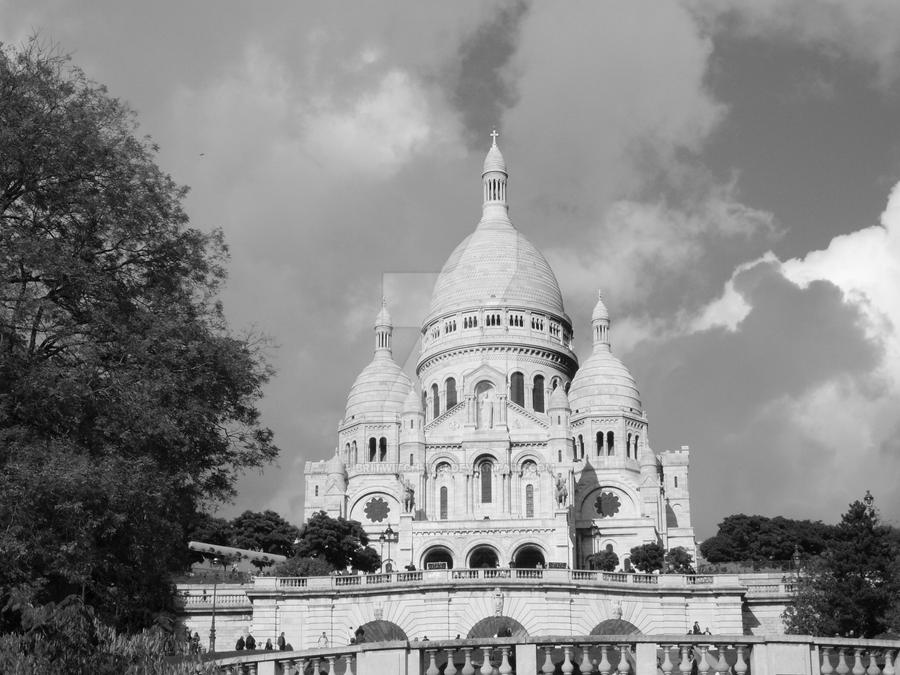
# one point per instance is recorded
(503, 450)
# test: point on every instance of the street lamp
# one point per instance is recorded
(212, 625)
(387, 536)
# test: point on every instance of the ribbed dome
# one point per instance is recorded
(603, 382)
(496, 264)
(381, 388)
(494, 160)
(600, 312)
(413, 402)
(335, 465)
(558, 400)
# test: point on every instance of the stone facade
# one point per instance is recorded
(503, 451)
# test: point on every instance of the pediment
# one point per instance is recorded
(482, 373)
(448, 424)
(520, 419)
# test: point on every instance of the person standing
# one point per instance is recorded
(281, 642)
(250, 642)
(322, 642)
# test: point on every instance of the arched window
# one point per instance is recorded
(347, 453)
(628, 446)
(517, 388)
(537, 393)
(382, 449)
(435, 400)
(317, 490)
(529, 501)
(610, 443)
(599, 443)
(676, 481)
(554, 383)
(443, 503)
(636, 439)
(451, 392)
(355, 453)
(580, 446)
(372, 449)
(486, 469)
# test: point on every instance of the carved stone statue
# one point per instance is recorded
(562, 492)
(409, 494)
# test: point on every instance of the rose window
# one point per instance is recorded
(377, 509)
(607, 504)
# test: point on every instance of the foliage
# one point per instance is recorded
(853, 587)
(340, 543)
(606, 561)
(124, 401)
(758, 539)
(266, 531)
(648, 557)
(69, 638)
(679, 561)
(303, 567)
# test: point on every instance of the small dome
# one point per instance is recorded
(494, 161)
(558, 399)
(380, 389)
(600, 311)
(603, 383)
(384, 316)
(413, 402)
(335, 465)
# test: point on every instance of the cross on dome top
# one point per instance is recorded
(494, 135)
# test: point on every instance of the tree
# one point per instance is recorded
(679, 561)
(606, 561)
(303, 567)
(266, 531)
(648, 557)
(762, 540)
(852, 588)
(125, 402)
(208, 529)
(341, 543)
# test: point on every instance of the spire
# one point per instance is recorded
(383, 329)
(600, 323)
(494, 177)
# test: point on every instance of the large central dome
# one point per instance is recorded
(496, 264)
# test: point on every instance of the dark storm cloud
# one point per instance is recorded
(728, 394)
(482, 91)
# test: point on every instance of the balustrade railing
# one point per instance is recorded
(601, 655)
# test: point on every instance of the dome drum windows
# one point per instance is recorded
(450, 388)
(450, 326)
(492, 320)
(435, 401)
(555, 330)
(516, 320)
(517, 389)
(537, 394)
(537, 323)
(470, 321)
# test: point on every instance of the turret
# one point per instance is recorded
(558, 409)
(494, 178)
(412, 429)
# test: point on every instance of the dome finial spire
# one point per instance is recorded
(493, 178)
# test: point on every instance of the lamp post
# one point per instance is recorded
(387, 536)
(212, 625)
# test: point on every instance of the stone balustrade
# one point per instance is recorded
(603, 655)
(506, 575)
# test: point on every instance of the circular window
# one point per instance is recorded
(377, 509)
(607, 504)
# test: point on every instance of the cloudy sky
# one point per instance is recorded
(728, 172)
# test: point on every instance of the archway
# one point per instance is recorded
(529, 557)
(437, 555)
(615, 627)
(497, 626)
(380, 631)
(483, 557)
